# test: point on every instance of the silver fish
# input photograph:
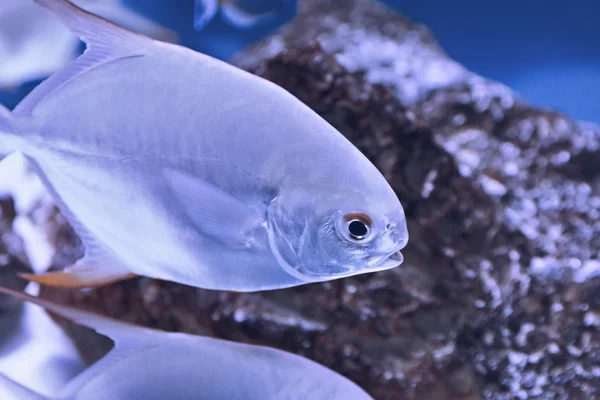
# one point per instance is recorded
(34, 45)
(231, 12)
(177, 166)
(151, 364)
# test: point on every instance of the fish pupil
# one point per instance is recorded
(358, 229)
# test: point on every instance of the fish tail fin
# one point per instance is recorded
(15, 390)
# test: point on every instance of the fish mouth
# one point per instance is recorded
(390, 260)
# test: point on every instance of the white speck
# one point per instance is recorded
(239, 316)
(351, 289)
(295, 321)
(490, 283)
(479, 303)
(591, 319)
(588, 270)
(517, 358)
(545, 266)
(459, 119)
(574, 351)
(511, 168)
(448, 251)
(463, 146)
(535, 357)
(492, 186)
(557, 307)
(428, 184)
(443, 352)
(521, 337)
(488, 338)
(553, 348)
(561, 158)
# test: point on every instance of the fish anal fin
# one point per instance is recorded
(83, 274)
(99, 265)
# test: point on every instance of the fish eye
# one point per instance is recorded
(357, 226)
(358, 229)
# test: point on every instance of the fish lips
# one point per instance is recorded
(390, 260)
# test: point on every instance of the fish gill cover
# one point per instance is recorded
(498, 296)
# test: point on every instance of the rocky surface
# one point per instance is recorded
(499, 296)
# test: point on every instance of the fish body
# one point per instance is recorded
(33, 44)
(173, 165)
(232, 13)
(151, 364)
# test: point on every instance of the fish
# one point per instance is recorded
(33, 45)
(231, 12)
(152, 364)
(174, 165)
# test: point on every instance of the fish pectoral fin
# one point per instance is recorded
(87, 272)
(239, 18)
(214, 212)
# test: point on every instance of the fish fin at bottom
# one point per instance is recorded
(99, 266)
(85, 273)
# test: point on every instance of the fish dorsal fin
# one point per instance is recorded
(105, 42)
(120, 14)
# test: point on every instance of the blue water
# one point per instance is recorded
(547, 50)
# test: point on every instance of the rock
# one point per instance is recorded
(499, 297)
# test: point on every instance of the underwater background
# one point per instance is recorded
(548, 51)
